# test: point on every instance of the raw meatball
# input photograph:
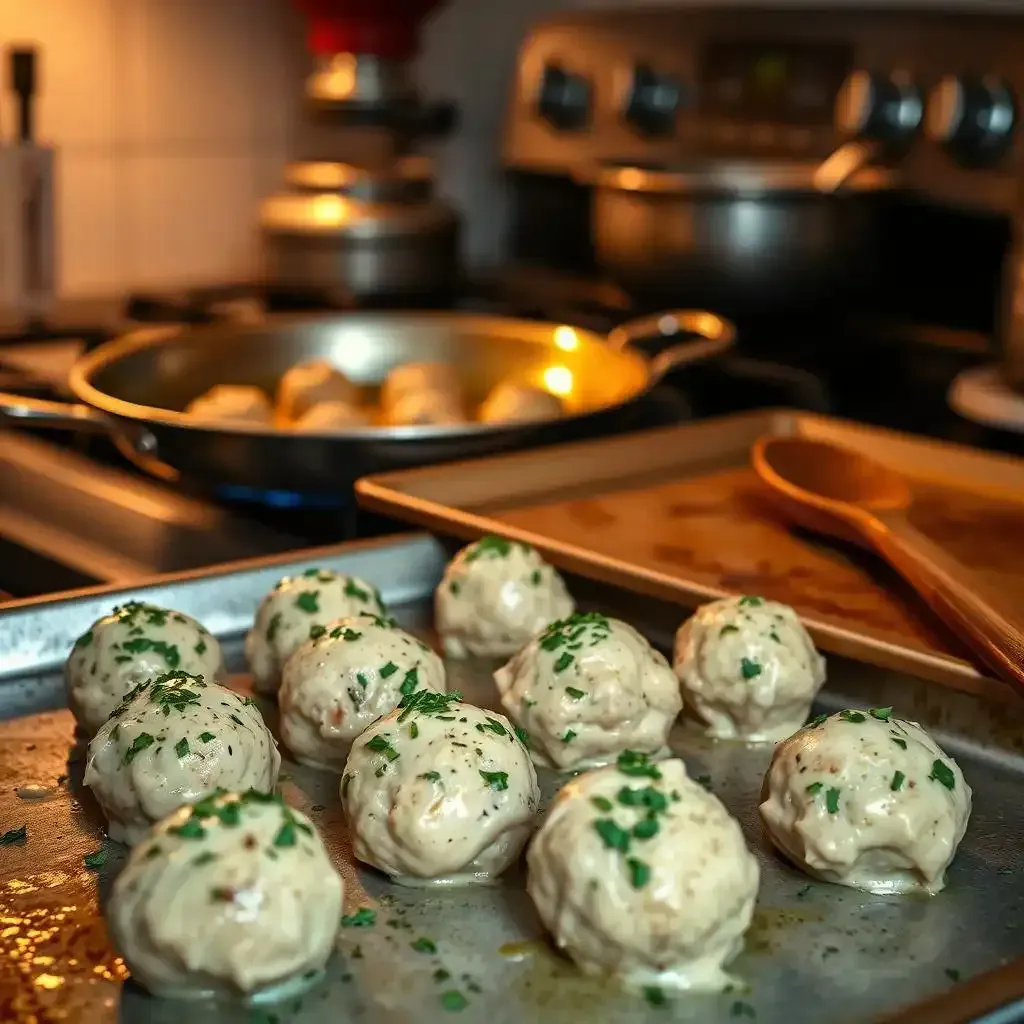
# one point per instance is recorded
(496, 595)
(439, 793)
(866, 800)
(588, 688)
(234, 894)
(425, 409)
(172, 741)
(296, 608)
(331, 416)
(520, 403)
(640, 873)
(310, 384)
(340, 681)
(748, 668)
(134, 643)
(233, 402)
(416, 377)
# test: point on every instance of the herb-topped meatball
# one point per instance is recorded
(135, 642)
(587, 688)
(495, 596)
(866, 800)
(233, 894)
(309, 384)
(640, 873)
(172, 741)
(439, 792)
(343, 679)
(298, 608)
(748, 668)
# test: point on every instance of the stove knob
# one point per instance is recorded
(563, 99)
(884, 108)
(653, 102)
(973, 118)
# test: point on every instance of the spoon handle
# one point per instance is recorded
(981, 618)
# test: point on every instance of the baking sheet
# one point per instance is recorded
(680, 514)
(816, 952)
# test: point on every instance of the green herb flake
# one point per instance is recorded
(654, 995)
(952, 973)
(274, 625)
(942, 773)
(523, 736)
(750, 668)
(190, 829)
(364, 917)
(815, 722)
(84, 640)
(308, 601)
(414, 731)
(489, 547)
(200, 648)
(815, 788)
(853, 716)
(574, 693)
(897, 782)
(96, 859)
(630, 762)
(568, 736)
(602, 803)
(430, 776)
(832, 801)
(564, 660)
(15, 837)
(705, 781)
(496, 727)
(453, 1001)
(902, 744)
(181, 748)
(141, 742)
(496, 780)
(316, 631)
(648, 828)
(388, 670)
(536, 577)
(352, 589)
(362, 680)
(441, 974)
(410, 682)
(287, 835)
(726, 630)
(424, 945)
(205, 737)
(614, 837)
(881, 714)
(751, 602)
(739, 1009)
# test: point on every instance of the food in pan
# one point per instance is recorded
(425, 409)
(306, 385)
(171, 741)
(638, 872)
(234, 894)
(238, 403)
(866, 800)
(439, 792)
(586, 689)
(748, 668)
(413, 378)
(495, 595)
(344, 678)
(331, 416)
(519, 403)
(294, 610)
(135, 642)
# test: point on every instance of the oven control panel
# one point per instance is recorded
(939, 94)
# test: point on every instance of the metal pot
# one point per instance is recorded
(134, 388)
(345, 234)
(739, 237)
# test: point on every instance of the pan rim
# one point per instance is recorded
(105, 355)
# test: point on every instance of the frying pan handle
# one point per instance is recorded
(34, 412)
(714, 335)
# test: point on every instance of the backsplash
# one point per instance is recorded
(174, 118)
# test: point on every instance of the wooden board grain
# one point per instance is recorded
(679, 513)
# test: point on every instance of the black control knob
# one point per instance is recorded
(883, 108)
(973, 118)
(654, 99)
(564, 99)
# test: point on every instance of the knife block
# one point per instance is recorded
(28, 272)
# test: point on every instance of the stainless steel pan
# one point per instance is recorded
(135, 387)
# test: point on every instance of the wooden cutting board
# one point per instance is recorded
(679, 513)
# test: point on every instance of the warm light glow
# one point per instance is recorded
(328, 210)
(338, 81)
(631, 178)
(566, 339)
(49, 981)
(558, 380)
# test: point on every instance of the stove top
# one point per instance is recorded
(75, 512)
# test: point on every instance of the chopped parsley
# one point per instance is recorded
(84, 640)
(882, 714)
(496, 727)
(316, 631)
(192, 828)
(536, 577)
(454, 1001)
(496, 780)
(352, 589)
(942, 773)
(454, 587)
(832, 801)
(897, 782)
(815, 722)
(364, 917)
(751, 602)
(286, 835)
(410, 682)
(308, 601)
(853, 716)
(612, 835)
(388, 670)
(568, 736)
(141, 742)
(430, 776)
(639, 872)
(181, 747)
(574, 693)
(427, 702)
(739, 1009)
(727, 629)
(815, 788)
(488, 547)
(749, 668)
(647, 828)
(169, 652)
(564, 660)
(274, 625)
(382, 745)
(414, 731)
(424, 945)
(654, 995)
(205, 737)
(705, 781)
(96, 859)
(15, 837)
(200, 648)
(602, 803)
(523, 736)
(630, 762)
(362, 680)
(902, 744)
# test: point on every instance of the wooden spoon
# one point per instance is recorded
(841, 492)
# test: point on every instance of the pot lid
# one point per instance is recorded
(409, 178)
(331, 214)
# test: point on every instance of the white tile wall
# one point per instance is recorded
(174, 116)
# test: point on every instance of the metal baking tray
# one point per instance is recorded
(815, 953)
